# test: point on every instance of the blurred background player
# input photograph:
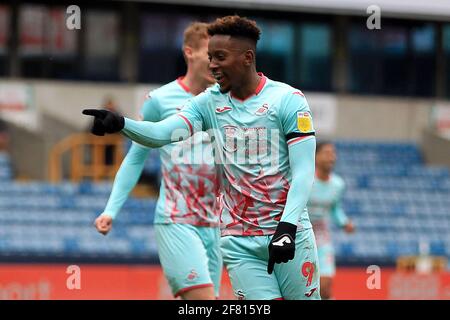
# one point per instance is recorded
(186, 224)
(267, 242)
(325, 202)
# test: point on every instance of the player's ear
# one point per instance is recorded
(249, 57)
(187, 52)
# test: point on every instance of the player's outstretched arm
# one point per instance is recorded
(150, 134)
(157, 134)
(126, 178)
(301, 158)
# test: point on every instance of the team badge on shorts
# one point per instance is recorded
(304, 122)
(192, 275)
(240, 295)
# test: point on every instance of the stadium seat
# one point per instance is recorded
(391, 196)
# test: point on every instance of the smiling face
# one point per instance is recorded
(230, 61)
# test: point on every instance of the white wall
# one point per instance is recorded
(378, 118)
(66, 100)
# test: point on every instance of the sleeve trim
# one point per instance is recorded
(296, 140)
(191, 130)
(293, 135)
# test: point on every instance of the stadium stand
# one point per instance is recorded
(394, 200)
(54, 222)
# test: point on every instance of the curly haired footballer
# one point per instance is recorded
(268, 245)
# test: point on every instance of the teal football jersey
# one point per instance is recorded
(251, 139)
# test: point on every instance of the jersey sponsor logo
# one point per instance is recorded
(223, 109)
(247, 141)
(284, 239)
(304, 123)
(231, 132)
(262, 110)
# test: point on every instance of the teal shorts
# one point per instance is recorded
(246, 261)
(327, 263)
(190, 256)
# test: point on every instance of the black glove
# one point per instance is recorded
(105, 121)
(282, 245)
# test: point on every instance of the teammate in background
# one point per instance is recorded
(325, 202)
(186, 224)
(265, 144)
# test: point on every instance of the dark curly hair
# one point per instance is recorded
(235, 26)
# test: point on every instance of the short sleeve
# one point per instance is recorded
(150, 110)
(296, 118)
(192, 112)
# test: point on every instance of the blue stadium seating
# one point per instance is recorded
(48, 222)
(394, 200)
(5, 167)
